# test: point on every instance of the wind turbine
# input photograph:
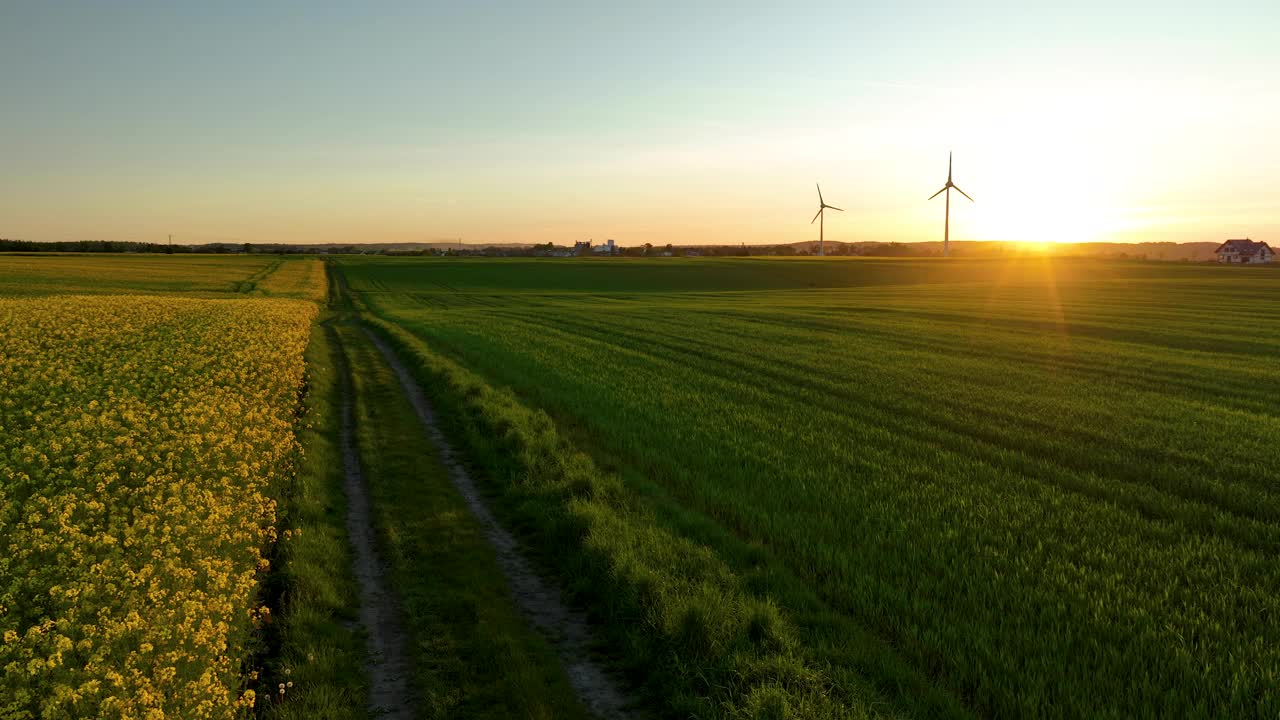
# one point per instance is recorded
(822, 206)
(946, 233)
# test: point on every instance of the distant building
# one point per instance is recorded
(607, 249)
(582, 248)
(1244, 251)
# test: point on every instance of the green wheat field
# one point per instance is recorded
(1000, 488)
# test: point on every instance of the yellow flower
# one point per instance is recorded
(147, 436)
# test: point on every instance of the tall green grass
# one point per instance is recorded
(1014, 488)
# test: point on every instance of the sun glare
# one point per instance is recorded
(1045, 168)
(1033, 217)
(1022, 203)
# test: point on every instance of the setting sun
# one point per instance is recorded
(1063, 157)
(1053, 212)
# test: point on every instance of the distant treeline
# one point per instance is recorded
(117, 246)
(1168, 251)
(892, 249)
(91, 246)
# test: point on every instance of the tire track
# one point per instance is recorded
(388, 665)
(538, 599)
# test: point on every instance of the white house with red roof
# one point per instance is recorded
(1244, 252)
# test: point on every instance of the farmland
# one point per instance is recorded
(1018, 487)
(1011, 488)
(175, 435)
(144, 440)
(197, 275)
(148, 457)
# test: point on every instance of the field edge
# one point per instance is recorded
(316, 644)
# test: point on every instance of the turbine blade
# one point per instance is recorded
(833, 207)
(815, 217)
(820, 200)
(963, 193)
(944, 188)
(949, 158)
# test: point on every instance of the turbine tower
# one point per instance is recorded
(822, 206)
(946, 232)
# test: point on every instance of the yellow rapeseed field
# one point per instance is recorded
(141, 442)
(300, 278)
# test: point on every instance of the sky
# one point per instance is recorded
(661, 122)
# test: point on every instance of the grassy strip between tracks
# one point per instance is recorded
(683, 621)
(474, 654)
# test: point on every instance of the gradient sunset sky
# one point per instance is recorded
(656, 122)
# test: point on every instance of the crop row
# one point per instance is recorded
(142, 440)
(1049, 499)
